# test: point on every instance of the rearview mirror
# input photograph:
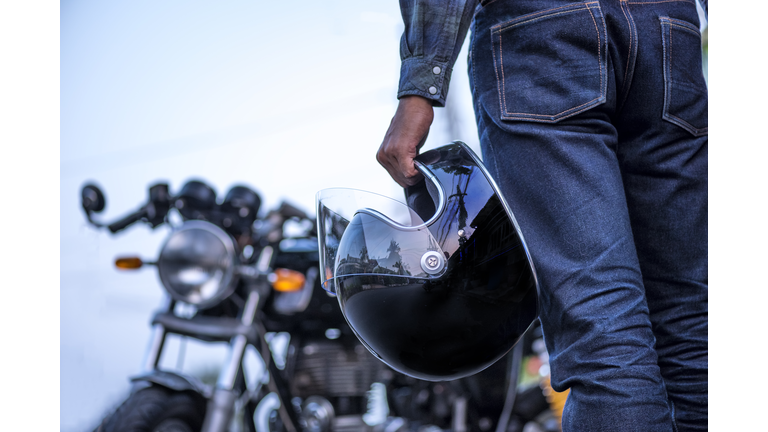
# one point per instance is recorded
(92, 199)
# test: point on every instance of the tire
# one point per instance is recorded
(157, 409)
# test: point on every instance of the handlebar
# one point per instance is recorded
(127, 220)
(155, 210)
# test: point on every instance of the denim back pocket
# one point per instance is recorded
(551, 64)
(685, 91)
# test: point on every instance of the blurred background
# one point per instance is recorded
(286, 99)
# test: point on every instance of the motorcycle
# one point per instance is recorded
(235, 278)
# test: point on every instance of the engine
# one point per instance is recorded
(334, 381)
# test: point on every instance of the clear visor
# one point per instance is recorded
(363, 233)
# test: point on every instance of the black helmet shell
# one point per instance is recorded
(441, 297)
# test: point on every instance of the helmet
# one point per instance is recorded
(439, 287)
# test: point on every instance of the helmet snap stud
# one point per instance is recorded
(432, 262)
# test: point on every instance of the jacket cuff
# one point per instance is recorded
(426, 78)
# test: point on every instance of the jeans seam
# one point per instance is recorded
(629, 24)
(685, 28)
(631, 56)
(687, 126)
(682, 24)
(540, 17)
(545, 116)
(662, 1)
(499, 83)
(672, 413)
(541, 14)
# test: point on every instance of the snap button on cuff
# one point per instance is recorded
(436, 70)
(433, 90)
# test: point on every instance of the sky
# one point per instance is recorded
(285, 100)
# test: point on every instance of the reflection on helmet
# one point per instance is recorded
(439, 288)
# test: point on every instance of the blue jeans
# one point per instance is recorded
(593, 120)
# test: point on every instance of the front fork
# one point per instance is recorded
(222, 401)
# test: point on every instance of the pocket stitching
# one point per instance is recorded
(681, 23)
(550, 118)
(668, 22)
(661, 1)
(540, 14)
(541, 17)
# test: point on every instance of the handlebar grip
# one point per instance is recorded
(127, 221)
(290, 211)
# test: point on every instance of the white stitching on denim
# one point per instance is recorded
(696, 32)
(503, 79)
(511, 116)
(689, 127)
(599, 46)
(626, 70)
(667, 22)
(497, 29)
(541, 17)
(664, 43)
(662, 1)
(600, 68)
(499, 84)
(684, 25)
(631, 55)
(577, 6)
(554, 117)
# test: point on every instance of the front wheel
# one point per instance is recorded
(157, 409)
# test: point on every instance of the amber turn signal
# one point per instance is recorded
(128, 263)
(286, 280)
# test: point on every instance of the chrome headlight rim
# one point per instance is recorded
(230, 277)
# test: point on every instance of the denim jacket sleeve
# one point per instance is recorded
(434, 33)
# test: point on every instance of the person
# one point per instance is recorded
(592, 119)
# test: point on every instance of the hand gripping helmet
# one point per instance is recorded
(439, 287)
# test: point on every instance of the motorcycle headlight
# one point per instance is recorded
(197, 264)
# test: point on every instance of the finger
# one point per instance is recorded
(393, 166)
(411, 175)
(397, 157)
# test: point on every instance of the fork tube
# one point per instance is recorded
(237, 346)
(155, 348)
(222, 403)
(152, 357)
